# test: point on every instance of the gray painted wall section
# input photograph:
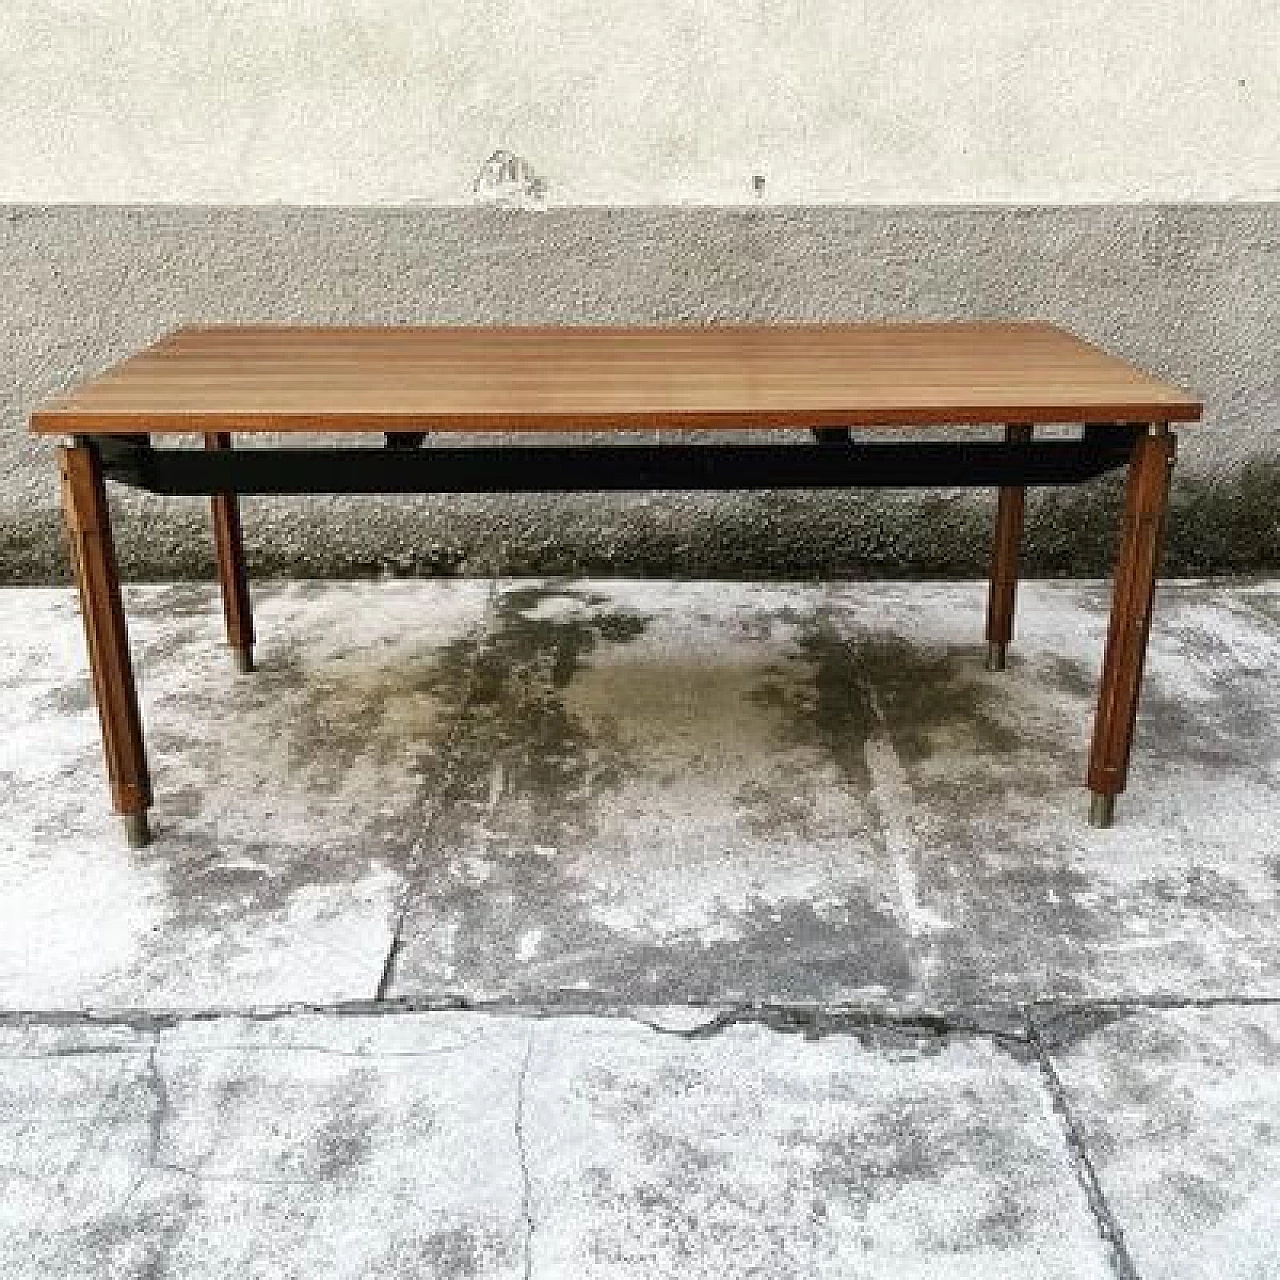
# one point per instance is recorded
(1191, 292)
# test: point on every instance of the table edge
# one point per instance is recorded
(53, 417)
(75, 422)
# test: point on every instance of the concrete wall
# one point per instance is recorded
(1111, 167)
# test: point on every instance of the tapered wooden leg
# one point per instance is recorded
(1004, 563)
(93, 556)
(229, 541)
(1146, 502)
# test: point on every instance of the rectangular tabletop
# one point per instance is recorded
(287, 378)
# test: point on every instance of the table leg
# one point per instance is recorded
(93, 557)
(1146, 502)
(229, 541)
(1004, 562)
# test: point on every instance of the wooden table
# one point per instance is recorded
(406, 382)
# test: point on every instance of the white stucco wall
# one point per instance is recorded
(640, 101)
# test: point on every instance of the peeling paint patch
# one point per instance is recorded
(508, 181)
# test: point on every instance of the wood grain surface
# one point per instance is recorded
(284, 378)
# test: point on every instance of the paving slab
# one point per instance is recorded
(289, 802)
(659, 793)
(480, 1145)
(302, 1147)
(758, 1154)
(1179, 1112)
(726, 792)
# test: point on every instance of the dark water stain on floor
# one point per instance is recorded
(340, 1146)
(322, 720)
(535, 778)
(318, 722)
(1232, 734)
(449, 1253)
(1024, 924)
(72, 698)
(1025, 919)
(918, 1140)
(1079, 679)
(215, 887)
(1037, 920)
(338, 723)
(187, 645)
(532, 780)
(867, 685)
(559, 644)
(783, 951)
(846, 687)
(175, 598)
(526, 760)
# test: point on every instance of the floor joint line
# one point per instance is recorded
(444, 797)
(1004, 1022)
(1109, 1229)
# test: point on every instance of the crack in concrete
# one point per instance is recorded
(1032, 1031)
(1139, 1003)
(76, 1051)
(158, 1118)
(159, 1126)
(813, 1021)
(522, 1150)
(443, 797)
(819, 1022)
(1077, 1148)
(1001, 1022)
(161, 1113)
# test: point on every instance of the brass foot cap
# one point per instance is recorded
(137, 830)
(1102, 810)
(243, 660)
(995, 656)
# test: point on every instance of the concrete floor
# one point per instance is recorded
(616, 929)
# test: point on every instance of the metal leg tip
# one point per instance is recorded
(137, 830)
(1102, 810)
(243, 660)
(995, 656)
